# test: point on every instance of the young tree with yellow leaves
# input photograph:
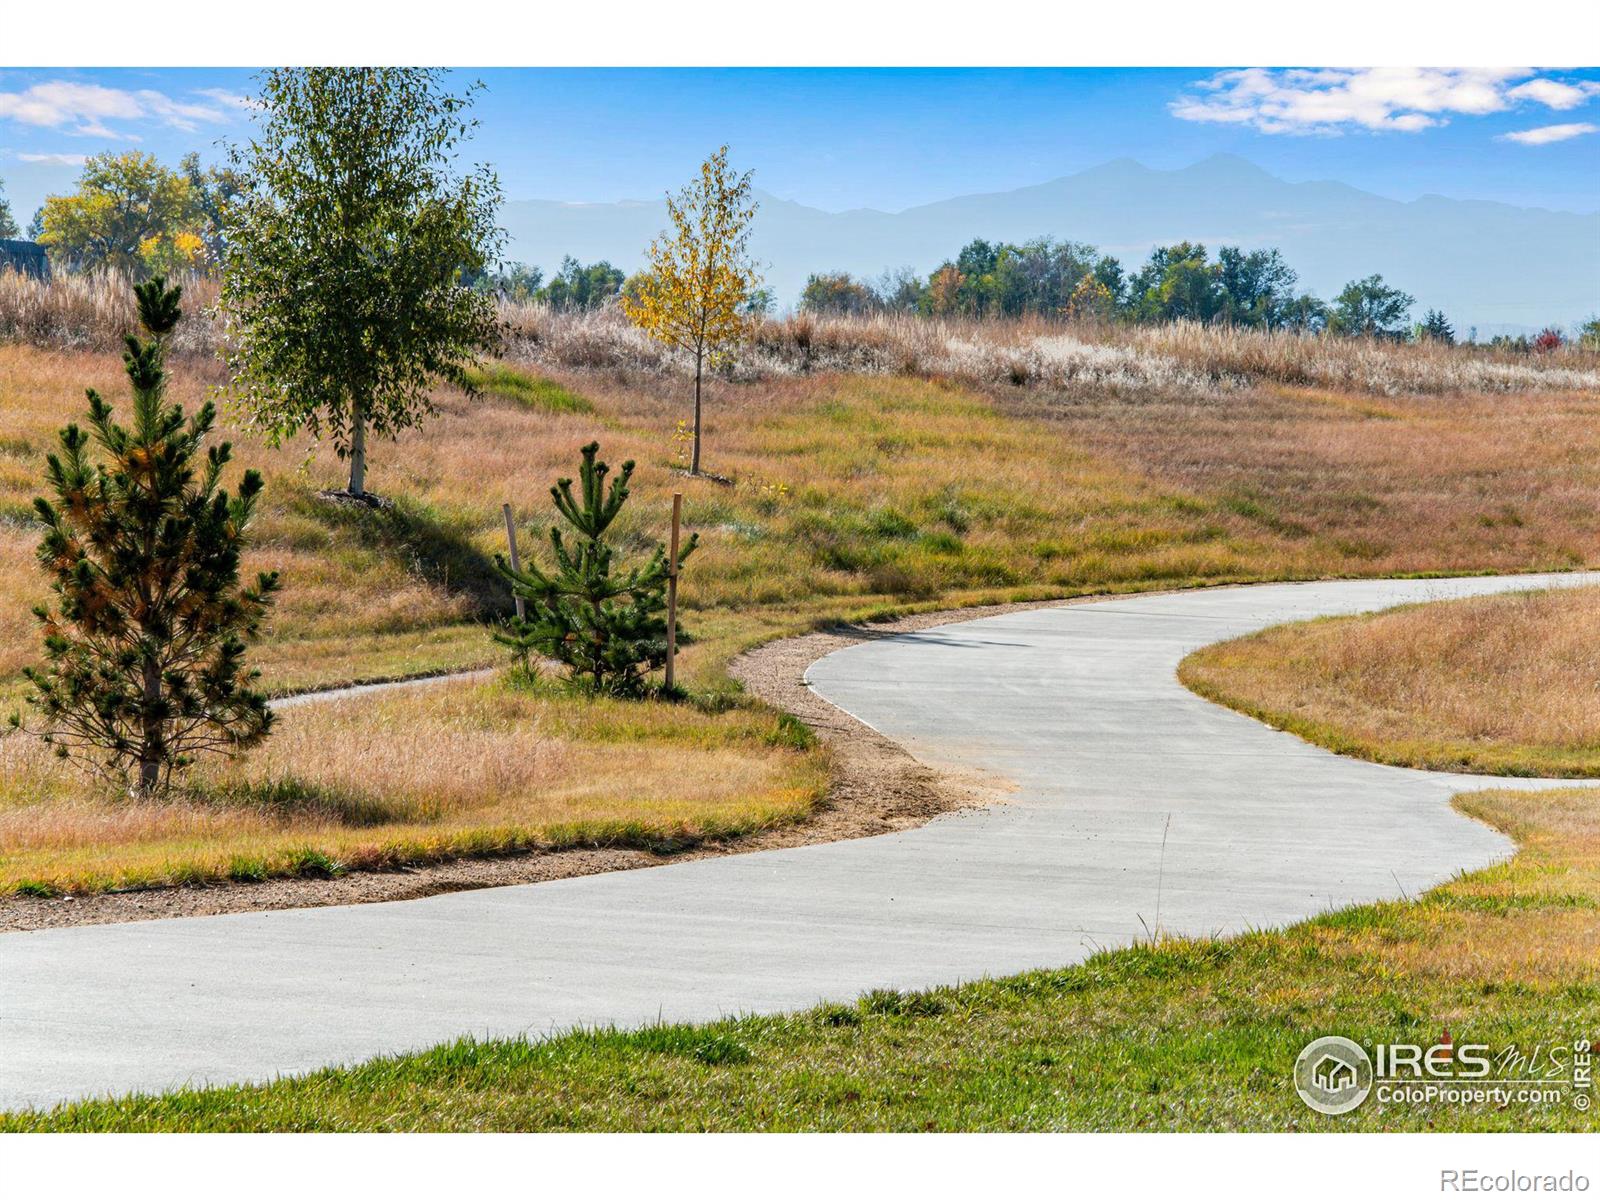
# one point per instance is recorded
(692, 295)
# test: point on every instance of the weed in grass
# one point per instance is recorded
(886, 1002)
(243, 869)
(791, 733)
(837, 1016)
(311, 863)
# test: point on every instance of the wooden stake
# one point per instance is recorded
(672, 590)
(516, 559)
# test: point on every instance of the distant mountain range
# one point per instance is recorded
(1498, 267)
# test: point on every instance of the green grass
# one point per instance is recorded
(533, 391)
(1177, 1035)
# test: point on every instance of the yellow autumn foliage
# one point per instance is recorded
(692, 295)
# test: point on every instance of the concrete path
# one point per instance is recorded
(1079, 706)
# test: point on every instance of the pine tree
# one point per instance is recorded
(1436, 327)
(144, 652)
(608, 627)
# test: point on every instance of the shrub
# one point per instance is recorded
(607, 627)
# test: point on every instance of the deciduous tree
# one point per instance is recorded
(1370, 308)
(351, 243)
(837, 293)
(129, 213)
(692, 293)
(576, 287)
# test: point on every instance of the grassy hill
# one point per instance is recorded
(866, 466)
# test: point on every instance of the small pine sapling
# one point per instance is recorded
(606, 625)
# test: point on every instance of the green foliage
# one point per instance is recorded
(129, 213)
(352, 242)
(1370, 308)
(144, 651)
(576, 287)
(1305, 314)
(837, 293)
(1436, 327)
(1002, 279)
(1253, 289)
(606, 625)
(212, 192)
(1046, 277)
(8, 223)
(515, 281)
(573, 288)
(1256, 287)
(545, 395)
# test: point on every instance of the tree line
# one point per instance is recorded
(1254, 289)
(131, 213)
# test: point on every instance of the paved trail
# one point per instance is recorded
(1078, 706)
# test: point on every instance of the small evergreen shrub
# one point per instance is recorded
(606, 625)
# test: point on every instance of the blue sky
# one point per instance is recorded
(843, 138)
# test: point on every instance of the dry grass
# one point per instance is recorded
(408, 574)
(1357, 484)
(1499, 684)
(92, 312)
(1183, 358)
(411, 777)
(1134, 459)
(1529, 923)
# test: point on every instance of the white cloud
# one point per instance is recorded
(229, 99)
(1384, 99)
(54, 160)
(85, 109)
(1554, 93)
(1546, 134)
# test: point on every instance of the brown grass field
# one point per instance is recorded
(875, 466)
(412, 777)
(1506, 685)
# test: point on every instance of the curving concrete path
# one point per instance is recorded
(1131, 794)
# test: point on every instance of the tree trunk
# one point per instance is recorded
(358, 449)
(694, 463)
(150, 749)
